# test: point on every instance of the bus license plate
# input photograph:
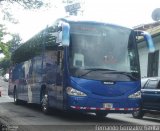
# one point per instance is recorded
(107, 105)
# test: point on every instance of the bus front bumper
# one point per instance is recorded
(85, 104)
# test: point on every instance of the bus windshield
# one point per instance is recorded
(99, 50)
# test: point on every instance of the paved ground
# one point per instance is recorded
(28, 117)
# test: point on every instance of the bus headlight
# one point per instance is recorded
(135, 95)
(73, 92)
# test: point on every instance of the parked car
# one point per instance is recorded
(150, 97)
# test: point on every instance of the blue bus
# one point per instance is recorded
(80, 65)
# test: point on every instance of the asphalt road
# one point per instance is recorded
(28, 117)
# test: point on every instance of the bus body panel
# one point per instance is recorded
(94, 101)
(99, 88)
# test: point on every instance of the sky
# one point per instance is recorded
(128, 13)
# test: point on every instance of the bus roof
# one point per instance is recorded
(81, 19)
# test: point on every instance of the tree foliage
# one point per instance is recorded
(28, 4)
(2, 32)
(6, 9)
(6, 48)
(4, 62)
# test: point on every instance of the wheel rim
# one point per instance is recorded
(136, 113)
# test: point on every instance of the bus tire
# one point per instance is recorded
(138, 114)
(45, 102)
(101, 114)
(16, 101)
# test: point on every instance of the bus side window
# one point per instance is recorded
(15, 74)
(59, 68)
(21, 73)
(50, 66)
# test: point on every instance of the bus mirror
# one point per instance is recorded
(148, 39)
(65, 34)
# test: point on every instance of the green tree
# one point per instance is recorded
(8, 5)
(2, 31)
(6, 8)
(7, 49)
(4, 62)
(28, 4)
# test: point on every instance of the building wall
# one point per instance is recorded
(143, 55)
(143, 58)
(158, 48)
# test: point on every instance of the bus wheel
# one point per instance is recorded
(16, 101)
(101, 114)
(138, 114)
(44, 102)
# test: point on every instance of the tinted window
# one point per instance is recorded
(158, 86)
(151, 84)
(103, 46)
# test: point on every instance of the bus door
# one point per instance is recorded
(53, 78)
(28, 77)
(59, 80)
(22, 83)
(34, 88)
(50, 67)
(23, 80)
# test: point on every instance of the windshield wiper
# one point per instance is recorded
(94, 69)
(129, 75)
(108, 71)
(124, 73)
